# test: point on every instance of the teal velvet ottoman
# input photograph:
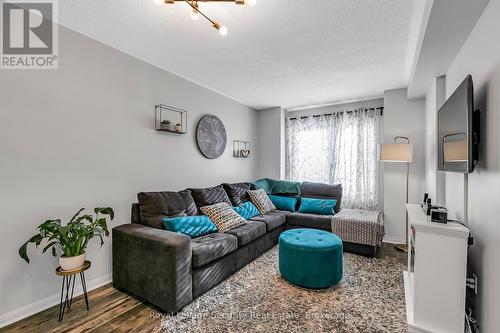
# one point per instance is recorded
(310, 258)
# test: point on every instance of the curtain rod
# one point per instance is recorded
(381, 108)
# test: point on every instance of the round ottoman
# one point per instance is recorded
(310, 258)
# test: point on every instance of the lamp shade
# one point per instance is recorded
(396, 152)
(455, 151)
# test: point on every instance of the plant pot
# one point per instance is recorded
(71, 263)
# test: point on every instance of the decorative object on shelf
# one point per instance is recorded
(70, 240)
(196, 12)
(399, 152)
(69, 277)
(211, 136)
(165, 124)
(241, 148)
(166, 115)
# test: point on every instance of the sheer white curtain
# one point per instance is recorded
(336, 148)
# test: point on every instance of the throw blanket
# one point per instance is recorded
(359, 226)
(272, 186)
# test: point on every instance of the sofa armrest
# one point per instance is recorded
(153, 264)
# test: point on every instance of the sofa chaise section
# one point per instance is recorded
(153, 264)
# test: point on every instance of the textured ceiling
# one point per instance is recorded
(286, 53)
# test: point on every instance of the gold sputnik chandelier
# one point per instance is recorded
(195, 10)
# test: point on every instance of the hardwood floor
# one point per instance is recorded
(117, 311)
(390, 253)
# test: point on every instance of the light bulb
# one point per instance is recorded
(251, 3)
(194, 14)
(158, 2)
(223, 30)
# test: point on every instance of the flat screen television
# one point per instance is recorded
(458, 131)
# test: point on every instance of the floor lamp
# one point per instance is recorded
(400, 151)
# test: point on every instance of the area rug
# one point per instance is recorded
(370, 298)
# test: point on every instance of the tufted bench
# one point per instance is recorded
(310, 258)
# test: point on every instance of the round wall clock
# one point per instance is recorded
(211, 136)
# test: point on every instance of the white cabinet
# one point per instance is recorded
(436, 276)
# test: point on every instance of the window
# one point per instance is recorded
(336, 148)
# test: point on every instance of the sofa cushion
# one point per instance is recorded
(284, 212)
(209, 196)
(272, 186)
(322, 191)
(192, 226)
(261, 201)
(248, 232)
(247, 210)
(223, 216)
(207, 249)
(237, 193)
(153, 206)
(284, 202)
(272, 220)
(310, 220)
(318, 206)
(191, 208)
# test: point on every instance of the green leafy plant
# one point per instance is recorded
(71, 239)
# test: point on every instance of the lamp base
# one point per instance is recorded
(401, 247)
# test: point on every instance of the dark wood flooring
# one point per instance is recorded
(112, 310)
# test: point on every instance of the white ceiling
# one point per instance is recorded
(288, 53)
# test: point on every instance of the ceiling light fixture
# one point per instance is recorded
(195, 10)
(195, 15)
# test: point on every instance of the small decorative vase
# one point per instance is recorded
(71, 263)
(178, 128)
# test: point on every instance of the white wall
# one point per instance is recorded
(271, 147)
(480, 56)
(402, 117)
(434, 180)
(83, 136)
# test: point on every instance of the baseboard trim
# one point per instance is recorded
(394, 240)
(47, 302)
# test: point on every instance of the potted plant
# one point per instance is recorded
(165, 124)
(70, 240)
(178, 128)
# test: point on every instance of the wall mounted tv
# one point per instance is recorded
(458, 131)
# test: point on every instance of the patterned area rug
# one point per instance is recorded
(370, 298)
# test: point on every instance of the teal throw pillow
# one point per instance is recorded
(284, 203)
(193, 226)
(317, 206)
(247, 210)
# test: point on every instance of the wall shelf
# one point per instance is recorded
(169, 131)
(241, 149)
(170, 119)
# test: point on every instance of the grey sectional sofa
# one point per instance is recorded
(170, 269)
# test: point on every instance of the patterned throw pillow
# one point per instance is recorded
(247, 210)
(223, 216)
(261, 201)
(193, 226)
